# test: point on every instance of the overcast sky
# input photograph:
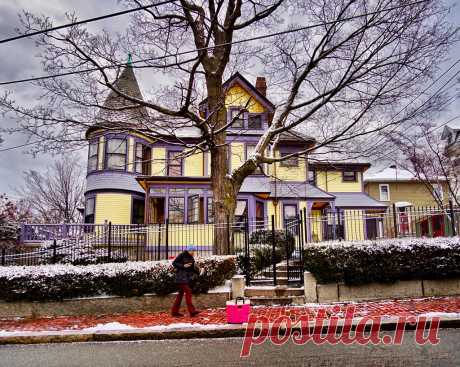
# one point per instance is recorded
(18, 61)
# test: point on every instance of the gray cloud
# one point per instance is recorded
(18, 60)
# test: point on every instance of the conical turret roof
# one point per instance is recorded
(120, 111)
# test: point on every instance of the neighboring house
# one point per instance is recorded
(402, 188)
(451, 134)
(139, 177)
(409, 195)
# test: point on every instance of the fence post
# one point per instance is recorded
(395, 221)
(54, 251)
(273, 250)
(246, 252)
(228, 235)
(158, 248)
(3, 255)
(137, 242)
(167, 238)
(305, 224)
(301, 237)
(452, 217)
(109, 245)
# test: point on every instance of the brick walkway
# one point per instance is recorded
(388, 308)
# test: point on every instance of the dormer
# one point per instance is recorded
(247, 104)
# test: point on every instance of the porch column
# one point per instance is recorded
(334, 214)
(147, 206)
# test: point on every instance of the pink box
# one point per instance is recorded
(238, 311)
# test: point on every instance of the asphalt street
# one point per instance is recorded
(226, 352)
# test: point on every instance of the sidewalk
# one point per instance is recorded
(209, 323)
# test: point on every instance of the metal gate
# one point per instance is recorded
(274, 256)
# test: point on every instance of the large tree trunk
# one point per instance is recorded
(224, 190)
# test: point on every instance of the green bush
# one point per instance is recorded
(383, 261)
(57, 282)
(261, 250)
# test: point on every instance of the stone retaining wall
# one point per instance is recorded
(106, 305)
(337, 292)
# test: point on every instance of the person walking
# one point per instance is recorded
(186, 268)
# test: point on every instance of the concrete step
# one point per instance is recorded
(273, 292)
(270, 301)
(284, 267)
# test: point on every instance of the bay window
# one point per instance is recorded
(116, 154)
(89, 210)
(93, 156)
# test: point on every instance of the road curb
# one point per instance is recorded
(226, 331)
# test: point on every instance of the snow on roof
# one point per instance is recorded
(392, 174)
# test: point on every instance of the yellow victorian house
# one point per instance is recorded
(136, 177)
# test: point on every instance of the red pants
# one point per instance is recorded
(183, 288)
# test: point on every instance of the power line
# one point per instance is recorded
(439, 90)
(255, 38)
(89, 20)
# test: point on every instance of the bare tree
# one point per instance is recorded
(341, 68)
(56, 195)
(422, 152)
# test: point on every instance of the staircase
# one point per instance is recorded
(288, 289)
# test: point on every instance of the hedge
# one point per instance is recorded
(57, 282)
(383, 261)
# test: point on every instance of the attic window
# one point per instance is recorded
(255, 121)
(349, 176)
(237, 116)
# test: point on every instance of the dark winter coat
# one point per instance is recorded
(184, 275)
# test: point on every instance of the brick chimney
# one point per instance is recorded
(261, 85)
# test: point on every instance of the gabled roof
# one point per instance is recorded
(394, 175)
(237, 78)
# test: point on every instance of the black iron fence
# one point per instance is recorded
(269, 249)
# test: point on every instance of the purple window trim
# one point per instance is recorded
(243, 116)
(106, 155)
(347, 180)
(263, 120)
(291, 203)
(87, 198)
(93, 141)
(181, 162)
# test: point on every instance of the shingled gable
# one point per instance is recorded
(118, 111)
(237, 78)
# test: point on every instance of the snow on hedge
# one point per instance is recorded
(48, 282)
(389, 260)
(402, 243)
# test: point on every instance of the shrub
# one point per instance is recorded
(56, 282)
(383, 261)
(261, 249)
